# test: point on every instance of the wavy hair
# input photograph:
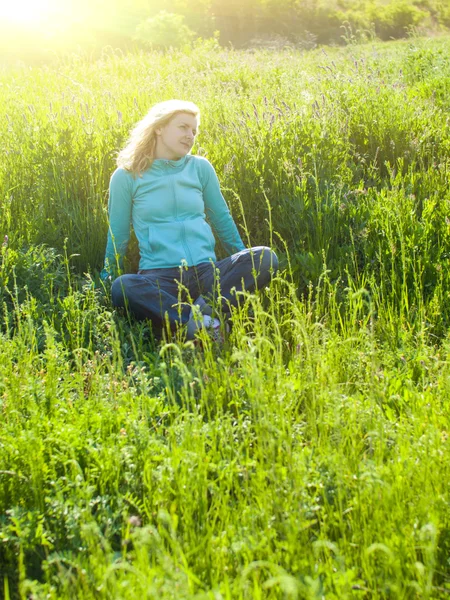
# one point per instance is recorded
(139, 153)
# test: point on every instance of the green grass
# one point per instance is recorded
(308, 457)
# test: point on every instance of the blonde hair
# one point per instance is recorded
(139, 153)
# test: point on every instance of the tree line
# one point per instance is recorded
(303, 22)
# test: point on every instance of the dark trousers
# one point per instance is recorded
(160, 294)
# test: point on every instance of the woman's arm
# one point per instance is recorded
(217, 211)
(119, 209)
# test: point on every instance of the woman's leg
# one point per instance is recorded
(247, 270)
(152, 296)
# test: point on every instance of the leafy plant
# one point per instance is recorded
(164, 30)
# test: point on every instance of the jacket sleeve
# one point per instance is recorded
(217, 211)
(119, 209)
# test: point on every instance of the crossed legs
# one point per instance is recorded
(160, 294)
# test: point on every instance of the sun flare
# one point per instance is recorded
(26, 12)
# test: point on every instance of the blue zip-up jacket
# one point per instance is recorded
(168, 206)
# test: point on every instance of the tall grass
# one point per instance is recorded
(325, 135)
(308, 456)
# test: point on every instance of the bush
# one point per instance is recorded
(165, 30)
(37, 272)
(393, 20)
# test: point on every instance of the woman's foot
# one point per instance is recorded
(198, 321)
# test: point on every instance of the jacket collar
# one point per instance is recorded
(161, 164)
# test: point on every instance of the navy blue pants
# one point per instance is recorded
(158, 294)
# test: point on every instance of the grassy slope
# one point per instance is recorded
(309, 457)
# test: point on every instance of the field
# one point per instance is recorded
(308, 457)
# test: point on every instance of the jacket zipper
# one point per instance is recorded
(183, 230)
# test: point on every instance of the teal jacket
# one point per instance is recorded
(168, 207)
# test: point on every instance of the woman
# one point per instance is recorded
(167, 194)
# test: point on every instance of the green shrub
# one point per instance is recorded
(165, 30)
(394, 19)
(37, 272)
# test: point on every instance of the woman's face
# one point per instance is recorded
(176, 139)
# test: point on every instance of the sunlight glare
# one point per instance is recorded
(30, 13)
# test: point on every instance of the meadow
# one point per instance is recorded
(308, 456)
